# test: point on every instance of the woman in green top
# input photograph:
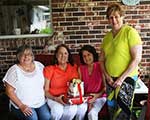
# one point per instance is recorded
(121, 53)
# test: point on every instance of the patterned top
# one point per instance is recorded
(28, 85)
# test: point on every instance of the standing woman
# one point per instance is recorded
(94, 84)
(57, 77)
(24, 83)
(120, 55)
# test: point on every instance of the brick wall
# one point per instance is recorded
(83, 22)
(8, 50)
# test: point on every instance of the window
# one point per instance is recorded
(20, 17)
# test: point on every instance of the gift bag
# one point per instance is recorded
(125, 95)
(76, 87)
(76, 92)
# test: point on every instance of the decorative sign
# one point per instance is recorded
(130, 2)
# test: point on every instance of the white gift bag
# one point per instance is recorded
(74, 88)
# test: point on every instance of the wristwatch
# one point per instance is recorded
(130, 2)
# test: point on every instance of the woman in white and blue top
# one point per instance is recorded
(24, 83)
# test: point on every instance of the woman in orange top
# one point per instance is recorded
(57, 77)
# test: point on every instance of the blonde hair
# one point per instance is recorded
(114, 7)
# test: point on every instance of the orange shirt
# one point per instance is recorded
(59, 78)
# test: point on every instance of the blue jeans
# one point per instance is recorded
(41, 113)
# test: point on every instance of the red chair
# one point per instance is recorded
(46, 59)
(103, 114)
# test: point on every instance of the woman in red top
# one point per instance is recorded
(94, 84)
(57, 77)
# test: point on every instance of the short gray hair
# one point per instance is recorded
(21, 50)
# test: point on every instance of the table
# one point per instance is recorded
(141, 93)
(140, 87)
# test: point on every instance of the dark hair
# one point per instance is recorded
(90, 49)
(114, 7)
(20, 51)
(70, 59)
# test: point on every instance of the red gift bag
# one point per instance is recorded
(76, 93)
(77, 99)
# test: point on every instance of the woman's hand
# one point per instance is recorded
(118, 82)
(109, 80)
(27, 111)
(60, 99)
(10, 91)
(92, 100)
(94, 97)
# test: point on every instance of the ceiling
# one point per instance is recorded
(23, 2)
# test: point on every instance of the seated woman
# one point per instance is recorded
(57, 77)
(24, 83)
(94, 84)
